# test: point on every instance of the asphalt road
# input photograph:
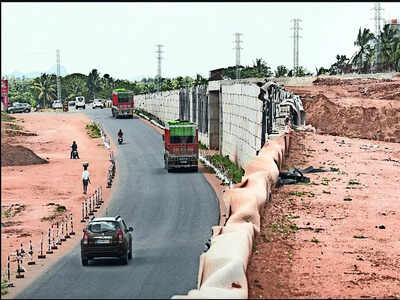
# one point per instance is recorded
(172, 215)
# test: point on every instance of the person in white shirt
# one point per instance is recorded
(85, 179)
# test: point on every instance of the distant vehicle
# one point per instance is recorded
(106, 237)
(97, 103)
(57, 104)
(122, 103)
(19, 108)
(181, 145)
(71, 103)
(80, 102)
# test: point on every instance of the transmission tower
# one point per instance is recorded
(237, 48)
(377, 17)
(296, 36)
(159, 52)
(378, 20)
(58, 76)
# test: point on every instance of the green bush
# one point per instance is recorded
(93, 130)
(232, 171)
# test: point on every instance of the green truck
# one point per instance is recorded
(181, 145)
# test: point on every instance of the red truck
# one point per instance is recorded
(122, 103)
(181, 145)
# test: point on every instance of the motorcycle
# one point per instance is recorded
(120, 140)
(75, 154)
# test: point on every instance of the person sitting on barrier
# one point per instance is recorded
(85, 178)
(74, 147)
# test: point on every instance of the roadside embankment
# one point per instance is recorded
(222, 270)
(36, 196)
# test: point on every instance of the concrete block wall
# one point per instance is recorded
(241, 122)
(233, 110)
(164, 105)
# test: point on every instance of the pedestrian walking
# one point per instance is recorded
(85, 178)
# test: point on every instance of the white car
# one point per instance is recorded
(80, 102)
(97, 103)
(57, 104)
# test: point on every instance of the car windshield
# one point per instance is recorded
(103, 226)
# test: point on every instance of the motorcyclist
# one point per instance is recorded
(120, 134)
(74, 147)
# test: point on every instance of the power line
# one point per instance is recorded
(58, 76)
(237, 48)
(296, 36)
(159, 57)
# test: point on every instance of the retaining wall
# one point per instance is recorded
(234, 118)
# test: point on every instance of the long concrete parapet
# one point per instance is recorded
(222, 269)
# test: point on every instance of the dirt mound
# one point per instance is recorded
(19, 156)
(339, 82)
(354, 121)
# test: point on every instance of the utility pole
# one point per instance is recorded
(58, 76)
(378, 19)
(296, 36)
(237, 48)
(159, 52)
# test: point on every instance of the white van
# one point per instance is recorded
(80, 102)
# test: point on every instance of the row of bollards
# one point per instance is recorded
(92, 204)
(111, 170)
(55, 236)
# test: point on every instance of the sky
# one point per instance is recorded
(120, 38)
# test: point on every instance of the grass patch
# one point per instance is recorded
(300, 194)
(359, 237)
(284, 225)
(334, 169)
(15, 127)
(352, 182)
(202, 146)
(223, 163)
(6, 213)
(326, 192)
(315, 240)
(60, 209)
(93, 130)
(4, 285)
(6, 117)
(295, 193)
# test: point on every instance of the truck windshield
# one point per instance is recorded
(124, 98)
(182, 139)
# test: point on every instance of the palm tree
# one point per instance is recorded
(362, 41)
(386, 40)
(93, 82)
(76, 87)
(281, 71)
(45, 87)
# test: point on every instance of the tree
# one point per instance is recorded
(46, 88)
(93, 83)
(281, 71)
(363, 39)
(387, 47)
(321, 71)
(340, 66)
